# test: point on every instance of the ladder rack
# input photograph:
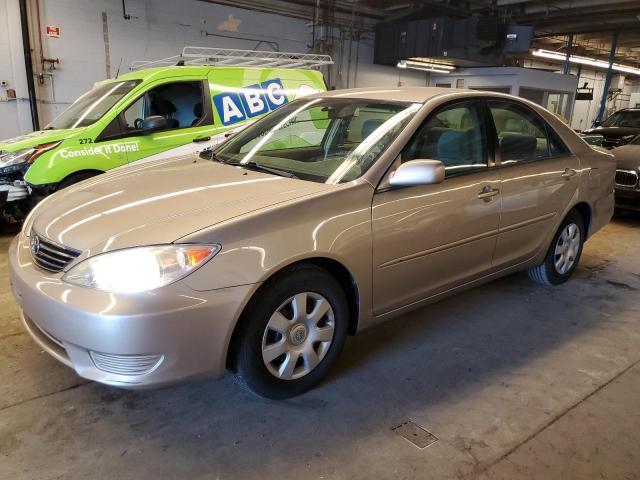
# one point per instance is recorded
(231, 57)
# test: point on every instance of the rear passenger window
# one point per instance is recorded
(522, 135)
(455, 135)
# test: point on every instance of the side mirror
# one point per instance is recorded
(417, 172)
(597, 123)
(153, 123)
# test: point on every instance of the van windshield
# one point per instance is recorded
(326, 140)
(91, 106)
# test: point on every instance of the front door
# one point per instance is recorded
(186, 107)
(427, 239)
(539, 177)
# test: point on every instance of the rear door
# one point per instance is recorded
(539, 177)
(430, 238)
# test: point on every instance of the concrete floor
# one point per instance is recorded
(515, 380)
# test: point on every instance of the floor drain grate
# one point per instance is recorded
(415, 434)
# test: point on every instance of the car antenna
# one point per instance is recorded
(119, 65)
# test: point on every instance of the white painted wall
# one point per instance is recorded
(15, 114)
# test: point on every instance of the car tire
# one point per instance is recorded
(282, 350)
(563, 254)
(75, 178)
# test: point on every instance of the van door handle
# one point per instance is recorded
(487, 193)
(201, 139)
(568, 173)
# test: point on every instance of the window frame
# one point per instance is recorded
(487, 130)
(549, 131)
(206, 119)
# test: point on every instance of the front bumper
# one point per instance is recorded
(126, 340)
(628, 199)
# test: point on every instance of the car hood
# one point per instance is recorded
(159, 203)
(615, 132)
(37, 138)
(627, 157)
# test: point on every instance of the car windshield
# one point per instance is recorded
(91, 106)
(624, 118)
(325, 140)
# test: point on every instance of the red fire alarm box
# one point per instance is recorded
(53, 31)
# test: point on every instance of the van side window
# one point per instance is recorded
(454, 135)
(181, 103)
(522, 135)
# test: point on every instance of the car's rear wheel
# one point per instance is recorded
(292, 333)
(563, 254)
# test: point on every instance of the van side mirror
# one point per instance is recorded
(153, 123)
(417, 172)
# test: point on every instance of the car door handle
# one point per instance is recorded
(201, 139)
(487, 193)
(568, 173)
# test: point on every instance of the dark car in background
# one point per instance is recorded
(628, 175)
(619, 128)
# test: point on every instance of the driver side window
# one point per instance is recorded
(182, 104)
(134, 115)
(454, 135)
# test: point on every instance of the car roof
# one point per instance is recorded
(399, 94)
(187, 70)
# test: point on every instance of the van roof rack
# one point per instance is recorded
(231, 57)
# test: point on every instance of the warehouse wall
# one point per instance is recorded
(90, 49)
(364, 73)
(586, 111)
(157, 28)
(14, 113)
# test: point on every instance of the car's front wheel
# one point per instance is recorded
(563, 254)
(292, 333)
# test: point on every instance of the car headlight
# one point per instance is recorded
(140, 269)
(25, 155)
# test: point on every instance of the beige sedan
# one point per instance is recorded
(329, 215)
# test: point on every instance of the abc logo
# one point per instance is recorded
(250, 101)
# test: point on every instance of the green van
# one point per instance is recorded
(145, 115)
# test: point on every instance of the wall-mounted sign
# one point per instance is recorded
(53, 32)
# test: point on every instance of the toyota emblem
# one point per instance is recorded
(35, 244)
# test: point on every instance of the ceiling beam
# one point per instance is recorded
(302, 11)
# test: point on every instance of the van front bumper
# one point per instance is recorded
(126, 340)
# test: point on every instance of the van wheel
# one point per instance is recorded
(564, 253)
(292, 333)
(75, 178)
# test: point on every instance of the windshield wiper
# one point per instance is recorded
(261, 168)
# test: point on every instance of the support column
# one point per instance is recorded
(566, 68)
(28, 65)
(607, 81)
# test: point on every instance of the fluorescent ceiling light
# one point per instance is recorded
(585, 61)
(425, 67)
(420, 63)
